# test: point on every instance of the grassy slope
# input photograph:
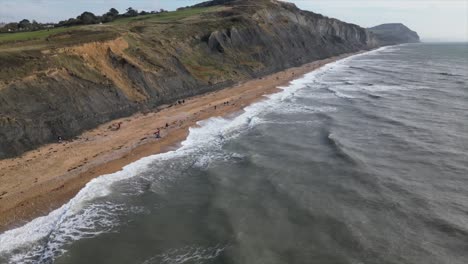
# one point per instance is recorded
(167, 16)
(22, 36)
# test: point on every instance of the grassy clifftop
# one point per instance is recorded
(39, 38)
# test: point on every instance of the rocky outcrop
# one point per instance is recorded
(66, 91)
(396, 33)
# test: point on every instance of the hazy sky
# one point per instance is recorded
(432, 19)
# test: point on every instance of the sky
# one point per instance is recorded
(434, 20)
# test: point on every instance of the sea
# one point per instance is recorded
(362, 161)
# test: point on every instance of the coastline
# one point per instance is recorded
(42, 180)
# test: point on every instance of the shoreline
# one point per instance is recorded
(44, 179)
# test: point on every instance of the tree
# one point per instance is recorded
(131, 12)
(69, 22)
(110, 16)
(88, 18)
(10, 27)
(35, 25)
(113, 12)
(24, 24)
(107, 18)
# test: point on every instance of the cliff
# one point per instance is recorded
(396, 33)
(67, 80)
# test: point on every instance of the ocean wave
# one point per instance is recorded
(189, 254)
(446, 226)
(373, 90)
(448, 74)
(376, 71)
(340, 148)
(374, 96)
(265, 121)
(339, 94)
(390, 49)
(294, 109)
(316, 96)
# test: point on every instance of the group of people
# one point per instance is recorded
(117, 126)
(224, 103)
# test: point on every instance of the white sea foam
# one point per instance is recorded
(342, 95)
(187, 255)
(78, 219)
(89, 222)
(318, 96)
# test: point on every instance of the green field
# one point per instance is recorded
(22, 36)
(161, 17)
(168, 16)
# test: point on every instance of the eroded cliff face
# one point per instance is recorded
(66, 90)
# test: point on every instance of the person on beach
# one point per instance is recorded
(157, 133)
(59, 139)
(115, 127)
(167, 125)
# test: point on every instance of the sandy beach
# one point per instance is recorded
(43, 179)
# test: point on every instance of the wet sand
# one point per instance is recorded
(44, 179)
